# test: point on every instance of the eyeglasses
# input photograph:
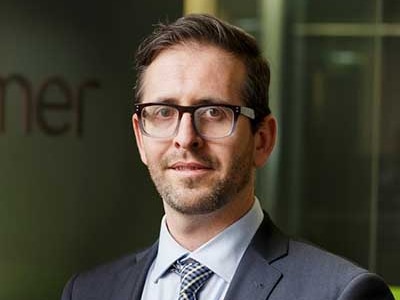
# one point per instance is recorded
(210, 121)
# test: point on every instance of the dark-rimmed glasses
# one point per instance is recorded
(211, 121)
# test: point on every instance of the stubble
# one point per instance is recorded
(196, 197)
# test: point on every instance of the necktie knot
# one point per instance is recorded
(193, 277)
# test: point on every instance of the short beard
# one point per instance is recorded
(220, 193)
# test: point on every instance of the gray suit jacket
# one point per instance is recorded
(273, 267)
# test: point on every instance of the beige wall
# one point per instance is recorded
(202, 6)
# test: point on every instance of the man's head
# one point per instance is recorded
(208, 30)
(194, 128)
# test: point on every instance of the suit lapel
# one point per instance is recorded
(255, 278)
(131, 284)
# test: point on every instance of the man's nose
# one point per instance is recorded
(186, 136)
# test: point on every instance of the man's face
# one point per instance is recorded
(194, 175)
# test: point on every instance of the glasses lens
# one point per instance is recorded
(214, 121)
(159, 120)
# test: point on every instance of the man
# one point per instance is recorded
(202, 127)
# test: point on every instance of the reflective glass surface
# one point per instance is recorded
(388, 249)
(338, 10)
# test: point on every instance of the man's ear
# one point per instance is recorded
(139, 138)
(265, 138)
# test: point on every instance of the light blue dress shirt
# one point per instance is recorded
(222, 255)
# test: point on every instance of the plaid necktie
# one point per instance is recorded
(193, 276)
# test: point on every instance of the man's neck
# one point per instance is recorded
(192, 231)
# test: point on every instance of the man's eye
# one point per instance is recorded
(164, 112)
(214, 112)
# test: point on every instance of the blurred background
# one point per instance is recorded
(73, 192)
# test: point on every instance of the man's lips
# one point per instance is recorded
(189, 166)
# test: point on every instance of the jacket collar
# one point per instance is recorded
(255, 277)
(131, 285)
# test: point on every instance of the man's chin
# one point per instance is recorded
(190, 209)
(194, 186)
(194, 201)
(192, 193)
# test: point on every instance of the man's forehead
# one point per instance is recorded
(195, 58)
(195, 71)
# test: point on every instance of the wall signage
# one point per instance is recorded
(37, 108)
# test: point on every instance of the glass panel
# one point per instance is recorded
(240, 14)
(339, 10)
(391, 11)
(388, 256)
(335, 170)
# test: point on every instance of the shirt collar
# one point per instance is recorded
(168, 252)
(221, 254)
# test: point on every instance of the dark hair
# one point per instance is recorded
(206, 29)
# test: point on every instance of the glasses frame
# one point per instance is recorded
(237, 111)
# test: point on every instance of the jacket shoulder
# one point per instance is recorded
(316, 259)
(314, 273)
(101, 281)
